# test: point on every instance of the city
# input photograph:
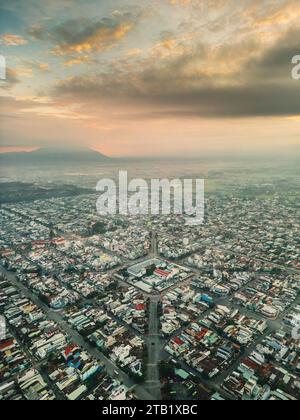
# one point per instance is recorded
(131, 313)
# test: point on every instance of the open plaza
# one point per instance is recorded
(154, 275)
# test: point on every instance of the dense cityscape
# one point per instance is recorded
(149, 308)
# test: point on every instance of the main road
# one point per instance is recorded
(154, 350)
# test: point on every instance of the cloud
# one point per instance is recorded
(78, 39)
(135, 52)
(23, 72)
(272, 13)
(43, 66)
(205, 64)
(212, 4)
(11, 40)
(235, 80)
(81, 59)
(81, 36)
(38, 32)
(180, 2)
(12, 79)
(36, 65)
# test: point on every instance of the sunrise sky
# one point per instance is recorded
(150, 77)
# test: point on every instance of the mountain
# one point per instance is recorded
(52, 156)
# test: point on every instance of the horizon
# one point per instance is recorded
(288, 153)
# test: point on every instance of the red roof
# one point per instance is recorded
(6, 344)
(201, 334)
(70, 348)
(178, 341)
(250, 364)
(140, 307)
(5, 253)
(162, 272)
(41, 242)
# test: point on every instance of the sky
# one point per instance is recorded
(150, 77)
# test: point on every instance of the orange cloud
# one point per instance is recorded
(174, 46)
(82, 59)
(180, 2)
(78, 39)
(102, 39)
(43, 66)
(136, 52)
(273, 15)
(24, 71)
(11, 40)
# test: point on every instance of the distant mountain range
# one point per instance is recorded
(50, 156)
